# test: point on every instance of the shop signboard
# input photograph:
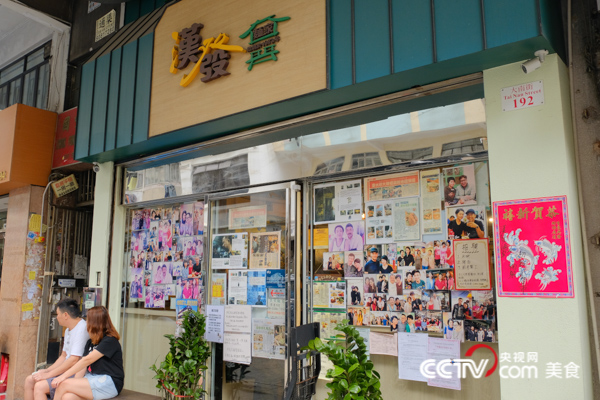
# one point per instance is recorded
(64, 143)
(212, 61)
(533, 249)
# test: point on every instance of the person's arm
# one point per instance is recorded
(58, 370)
(78, 367)
(46, 373)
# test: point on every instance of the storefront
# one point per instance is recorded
(262, 185)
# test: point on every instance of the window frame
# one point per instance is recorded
(26, 70)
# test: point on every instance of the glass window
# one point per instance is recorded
(392, 140)
(29, 89)
(15, 92)
(3, 97)
(27, 80)
(253, 381)
(365, 160)
(35, 58)
(12, 71)
(409, 155)
(330, 166)
(462, 147)
(43, 85)
(220, 175)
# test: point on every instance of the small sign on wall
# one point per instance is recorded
(522, 96)
(65, 186)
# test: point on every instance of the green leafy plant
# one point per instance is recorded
(353, 376)
(182, 371)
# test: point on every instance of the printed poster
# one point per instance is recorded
(329, 294)
(268, 338)
(257, 288)
(328, 320)
(320, 294)
(230, 251)
(379, 222)
(431, 221)
(321, 237)
(183, 305)
(460, 186)
(392, 186)
(472, 264)
(533, 248)
(338, 202)
(406, 220)
(276, 293)
(248, 217)
(219, 289)
(349, 236)
(265, 250)
(238, 287)
(468, 222)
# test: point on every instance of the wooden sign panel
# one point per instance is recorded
(291, 36)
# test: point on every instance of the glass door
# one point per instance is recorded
(252, 262)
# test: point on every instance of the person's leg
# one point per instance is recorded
(41, 390)
(72, 396)
(77, 386)
(29, 384)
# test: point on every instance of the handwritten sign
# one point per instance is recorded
(238, 319)
(237, 348)
(522, 96)
(65, 186)
(533, 248)
(383, 343)
(472, 264)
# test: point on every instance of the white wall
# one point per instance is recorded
(531, 155)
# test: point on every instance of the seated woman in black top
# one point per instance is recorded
(103, 356)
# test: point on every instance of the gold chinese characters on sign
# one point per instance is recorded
(211, 61)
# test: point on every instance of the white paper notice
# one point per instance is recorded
(215, 318)
(238, 319)
(237, 348)
(412, 351)
(238, 287)
(442, 349)
(384, 343)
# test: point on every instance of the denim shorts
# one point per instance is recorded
(53, 390)
(102, 386)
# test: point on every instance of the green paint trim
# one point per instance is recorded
(324, 100)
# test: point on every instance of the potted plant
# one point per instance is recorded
(353, 376)
(180, 375)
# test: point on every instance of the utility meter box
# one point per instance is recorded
(92, 297)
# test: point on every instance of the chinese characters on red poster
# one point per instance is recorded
(533, 250)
